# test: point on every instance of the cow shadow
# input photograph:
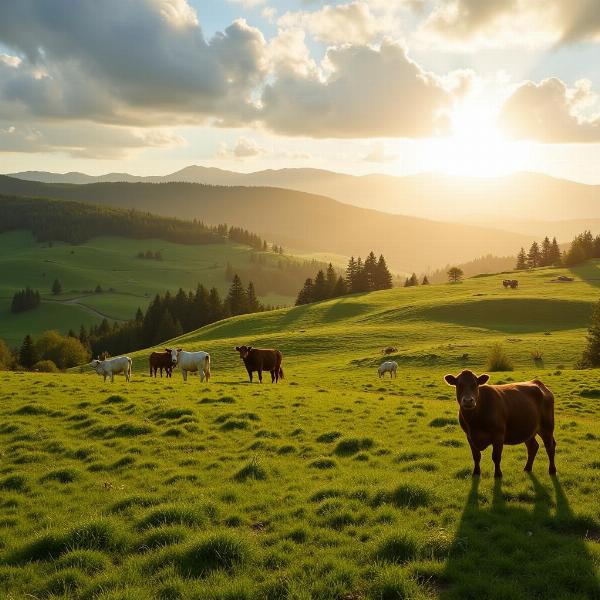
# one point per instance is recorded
(530, 546)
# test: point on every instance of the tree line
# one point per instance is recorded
(169, 316)
(584, 246)
(360, 276)
(26, 299)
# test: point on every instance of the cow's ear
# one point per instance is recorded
(237, 348)
(450, 379)
(179, 350)
(483, 379)
(249, 348)
(168, 350)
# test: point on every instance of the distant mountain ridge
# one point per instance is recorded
(295, 219)
(527, 196)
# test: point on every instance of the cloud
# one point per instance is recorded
(244, 148)
(128, 62)
(248, 3)
(83, 140)
(369, 92)
(551, 112)
(489, 23)
(352, 23)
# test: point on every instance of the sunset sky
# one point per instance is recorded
(469, 87)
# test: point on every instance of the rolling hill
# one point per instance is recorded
(531, 203)
(333, 484)
(302, 221)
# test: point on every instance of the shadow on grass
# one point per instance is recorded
(508, 549)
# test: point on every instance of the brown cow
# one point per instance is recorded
(161, 360)
(259, 359)
(504, 414)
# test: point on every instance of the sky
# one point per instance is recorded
(464, 87)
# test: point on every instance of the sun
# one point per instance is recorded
(475, 147)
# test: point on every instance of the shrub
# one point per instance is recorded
(45, 366)
(498, 360)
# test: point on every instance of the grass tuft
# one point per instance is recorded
(351, 446)
(498, 359)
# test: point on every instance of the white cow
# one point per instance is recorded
(389, 366)
(113, 366)
(192, 362)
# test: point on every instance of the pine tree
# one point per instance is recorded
(83, 336)
(306, 294)
(545, 259)
(27, 353)
(351, 274)
(455, 274)
(253, 303)
(383, 277)
(216, 310)
(320, 291)
(534, 256)
(591, 354)
(237, 301)
(168, 328)
(521, 260)
(413, 280)
(361, 280)
(555, 256)
(370, 272)
(425, 280)
(340, 288)
(331, 280)
(56, 287)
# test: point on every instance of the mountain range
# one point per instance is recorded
(529, 203)
(298, 220)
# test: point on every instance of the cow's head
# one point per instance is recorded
(244, 351)
(95, 363)
(467, 387)
(174, 354)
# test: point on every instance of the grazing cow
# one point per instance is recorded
(259, 359)
(389, 350)
(504, 414)
(192, 362)
(161, 360)
(113, 366)
(510, 283)
(389, 366)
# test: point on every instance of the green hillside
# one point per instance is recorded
(332, 485)
(112, 263)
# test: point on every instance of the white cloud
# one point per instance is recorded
(551, 112)
(369, 92)
(243, 148)
(248, 3)
(352, 23)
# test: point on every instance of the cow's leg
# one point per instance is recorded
(112, 377)
(184, 374)
(272, 376)
(476, 460)
(550, 445)
(532, 448)
(260, 375)
(250, 375)
(105, 378)
(497, 457)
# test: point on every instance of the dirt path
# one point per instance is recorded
(85, 307)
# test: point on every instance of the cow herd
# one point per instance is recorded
(256, 360)
(490, 415)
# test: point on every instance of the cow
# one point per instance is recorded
(510, 283)
(191, 362)
(389, 350)
(504, 414)
(260, 359)
(161, 360)
(389, 366)
(113, 366)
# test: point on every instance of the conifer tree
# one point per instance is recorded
(306, 294)
(370, 272)
(340, 288)
(320, 291)
(591, 354)
(351, 274)
(27, 353)
(237, 300)
(253, 305)
(216, 310)
(331, 278)
(545, 259)
(521, 260)
(425, 280)
(413, 280)
(534, 256)
(555, 256)
(56, 287)
(383, 275)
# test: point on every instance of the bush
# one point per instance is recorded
(498, 360)
(45, 366)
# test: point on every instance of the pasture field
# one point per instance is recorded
(333, 485)
(110, 262)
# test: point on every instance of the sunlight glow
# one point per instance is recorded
(476, 148)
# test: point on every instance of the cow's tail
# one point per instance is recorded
(129, 363)
(207, 367)
(280, 372)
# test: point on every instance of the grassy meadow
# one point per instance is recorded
(112, 263)
(333, 485)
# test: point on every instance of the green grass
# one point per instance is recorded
(112, 263)
(332, 485)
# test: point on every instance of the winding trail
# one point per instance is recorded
(85, 307)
